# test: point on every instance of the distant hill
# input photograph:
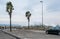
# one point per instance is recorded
(9, 25)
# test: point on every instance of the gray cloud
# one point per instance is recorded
(34, 6)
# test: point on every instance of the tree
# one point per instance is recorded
(28, 14)
(9, 8)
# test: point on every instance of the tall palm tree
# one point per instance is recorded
(28, 14)
(9, 8)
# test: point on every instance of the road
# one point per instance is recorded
(5, 36)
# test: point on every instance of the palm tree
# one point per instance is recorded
(9, 8)
(28, 14)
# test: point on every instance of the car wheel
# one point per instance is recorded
(46, 32)
(59, 33)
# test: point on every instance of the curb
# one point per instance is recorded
(12, 35)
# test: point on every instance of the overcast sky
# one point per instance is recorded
(51, 10)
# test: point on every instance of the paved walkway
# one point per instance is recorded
(33, 34)
(5, 36)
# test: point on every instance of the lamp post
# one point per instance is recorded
(42, 12)
(9, 8)
(28, 14)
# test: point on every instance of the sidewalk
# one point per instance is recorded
(22, 33)
(37, 31)
(30, 34)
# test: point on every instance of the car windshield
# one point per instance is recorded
(56, 28)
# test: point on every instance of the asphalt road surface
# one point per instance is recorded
(5, 36)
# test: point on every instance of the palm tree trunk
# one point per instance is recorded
(10, 24)
(28, 23)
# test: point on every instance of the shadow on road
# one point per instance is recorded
(18, 38)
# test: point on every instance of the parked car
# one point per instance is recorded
(54, 30)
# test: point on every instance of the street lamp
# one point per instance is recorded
(28, 14)
(9, 8)
(42, 12)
